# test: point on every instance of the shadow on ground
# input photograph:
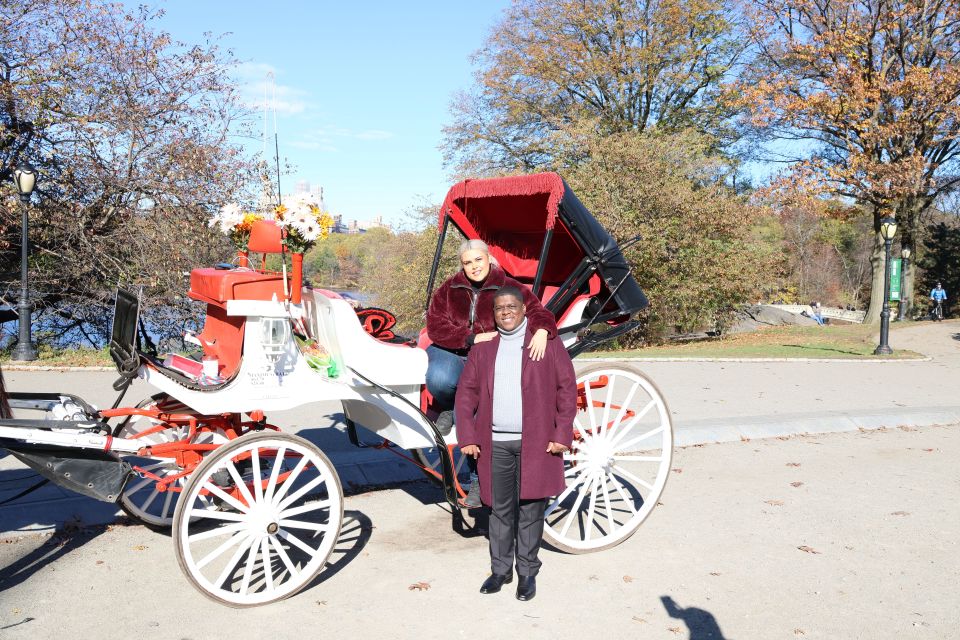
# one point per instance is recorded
(700, 622)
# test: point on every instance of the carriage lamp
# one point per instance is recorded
(888, 229)
(25, 177)
(275, 332)
(905, 255)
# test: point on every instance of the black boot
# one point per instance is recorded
(495, 581)
(526, 587)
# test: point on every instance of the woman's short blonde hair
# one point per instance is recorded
(473, 245)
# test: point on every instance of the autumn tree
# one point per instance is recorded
(132, 134)
(624, 65)
(865, 94)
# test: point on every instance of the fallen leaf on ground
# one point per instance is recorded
(419, 586)
(714, 573)
(677, 470)
(627, 579)
(140, 547)
(796, 484)
(793, 464)
(799, 632)
(804, 547)
(928, 450)
(99, 562)
(638, 619)
(900, 513)
(774, 503)
(674, 629)
(744, 439)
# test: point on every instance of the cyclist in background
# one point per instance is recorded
(938, 294)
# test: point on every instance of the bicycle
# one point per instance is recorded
(937, 312)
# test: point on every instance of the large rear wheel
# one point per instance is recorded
(618, 466)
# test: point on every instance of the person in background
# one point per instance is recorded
(817, 312)
(515, 415)
(939, 295)
(460, 316)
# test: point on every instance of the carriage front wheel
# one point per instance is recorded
(618, 466)
(258, 519)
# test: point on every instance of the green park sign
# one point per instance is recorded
(895, 280)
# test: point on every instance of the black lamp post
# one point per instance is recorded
(25, 177)
(905, 254)
(888, 229)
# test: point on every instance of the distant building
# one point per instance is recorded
(354, 226)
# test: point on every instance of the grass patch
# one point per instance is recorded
(831, 341)
(80, 357)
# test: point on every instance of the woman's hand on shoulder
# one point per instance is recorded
(484, 337)
(538, 344)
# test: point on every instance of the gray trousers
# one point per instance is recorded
(516, 526)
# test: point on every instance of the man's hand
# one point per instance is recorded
(553, 447)
(538, 344)
(484, 337)
(472, 450)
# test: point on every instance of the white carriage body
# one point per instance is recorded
(269, 382)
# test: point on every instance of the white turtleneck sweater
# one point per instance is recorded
(507, 397)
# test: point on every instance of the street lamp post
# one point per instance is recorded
(25, 177)
(888, 229)
(905, 254)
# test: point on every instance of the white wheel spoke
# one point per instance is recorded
(606, 502)
(248, 569)
(223, 495)
(299, 492)
(638, 458)
(228, 516)
(235, 539)
(625, 429)
(274, 473)
(282, 490)
(588, 392)
(643, 483)
(267, 569)
(217, 531)
(302, 524)
(140, 485)
(255, 469)
(287, 562)
(553, 505)
(572, 515)
(622, 412)
(591, 510)
(150, 499)
(297, 542)
(616, 485)
(238, 482)
(167, 502)
(304, 508)
(248, 542)
(652, 432)
(606, 407)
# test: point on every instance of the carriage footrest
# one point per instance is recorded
(96, 474)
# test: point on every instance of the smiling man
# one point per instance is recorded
(515, 416)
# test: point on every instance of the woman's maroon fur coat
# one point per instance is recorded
(448, 319)
(549, 391)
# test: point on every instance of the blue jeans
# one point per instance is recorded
(443, 374)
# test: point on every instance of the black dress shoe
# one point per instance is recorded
(495, 581)
(526, 587)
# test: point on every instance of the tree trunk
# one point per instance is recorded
(876, 288)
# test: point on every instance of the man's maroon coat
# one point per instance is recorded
(448, 319)
(549, 390)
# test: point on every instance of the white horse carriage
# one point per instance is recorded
(255, 513)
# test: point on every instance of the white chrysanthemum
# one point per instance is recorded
(229, 216)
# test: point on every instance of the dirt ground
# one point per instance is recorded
(851, 535)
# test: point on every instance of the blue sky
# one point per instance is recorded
(362, 88)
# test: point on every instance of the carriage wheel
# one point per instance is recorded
(619, 463)
(140, 499)
(276, 511)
